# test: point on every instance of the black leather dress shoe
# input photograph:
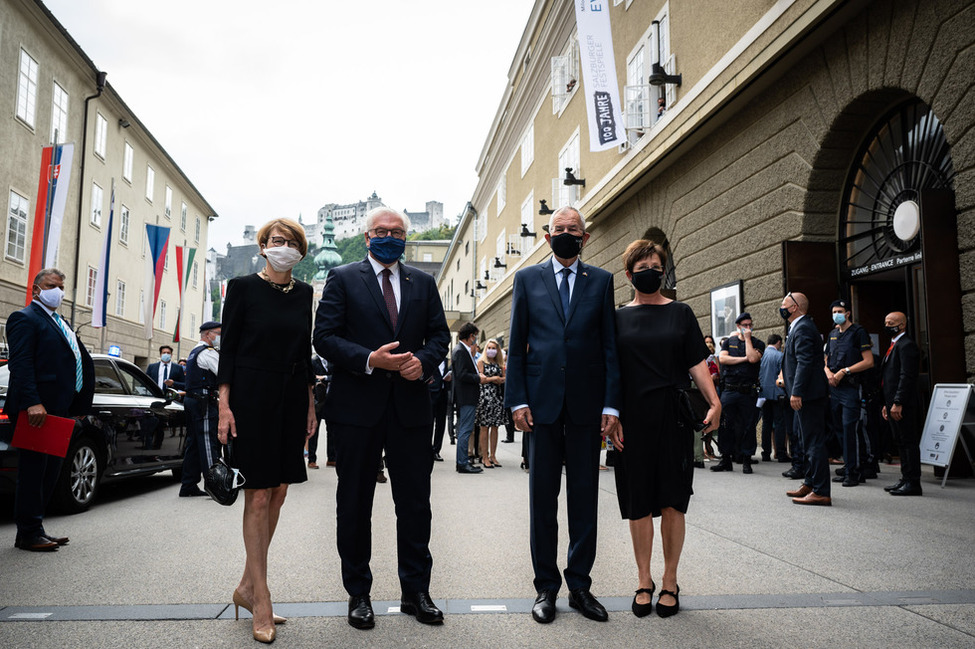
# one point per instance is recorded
(907, 489)
(793, 474)
(189, 493)
(723, 465)
(896, 485)
(468, 468)
(583, 601)
(847, 482)
(437, 457)
(420, 606)
(360, 612)
(36, 543)
(544, 609)
(746, 466)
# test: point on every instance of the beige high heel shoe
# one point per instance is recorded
(241, 603)
(265, 635)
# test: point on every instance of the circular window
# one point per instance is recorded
(881, 221)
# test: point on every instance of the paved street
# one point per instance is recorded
(147, 569)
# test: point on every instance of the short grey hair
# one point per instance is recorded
(561, 210)
(378, 211)
(44, 272)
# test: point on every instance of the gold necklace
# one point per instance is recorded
(283, 288)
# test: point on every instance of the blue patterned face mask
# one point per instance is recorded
(387, 250)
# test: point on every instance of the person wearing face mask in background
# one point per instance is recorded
(562, 386)
(899, 374)
(266, 405)
(848, 354)
(490, 406)
(200, 405)
(740, 358)
(51, 372)
(165, 372)
(660, 344)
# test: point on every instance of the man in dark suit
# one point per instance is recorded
(165, 372)
(381, 327)
(899, 374)
(563, 385)
(467, 390)
(52, 373)
(439, 385)
(804, 375)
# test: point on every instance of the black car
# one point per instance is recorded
(134, 429)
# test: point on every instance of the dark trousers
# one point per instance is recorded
(796, 449)
(907, 436)
(579, 445)
(439, 419)
(844, 405)
(811, 420)
(313, 443)
(202, 446)
(774, 431)
(737, 416)
(37, 475)
(359, 450)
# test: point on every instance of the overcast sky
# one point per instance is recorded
(275, 107)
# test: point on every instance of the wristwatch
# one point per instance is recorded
(847, 370)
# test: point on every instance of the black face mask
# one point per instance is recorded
(566, 245)
(648, 280)
(784, 312)
(893, 331)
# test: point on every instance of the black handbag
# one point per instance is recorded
(221, 481)
(687, 415)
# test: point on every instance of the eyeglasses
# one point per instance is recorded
(277, 242)
(396, 233)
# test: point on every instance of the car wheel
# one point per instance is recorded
(78, 482)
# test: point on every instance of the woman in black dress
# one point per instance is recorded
(659, 343)
(490, 405)
(266, 400)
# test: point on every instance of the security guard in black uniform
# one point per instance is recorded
(740, 358)
(200, 405)
(848, 354)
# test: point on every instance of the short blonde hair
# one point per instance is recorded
(293, 228)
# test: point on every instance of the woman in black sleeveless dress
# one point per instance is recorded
(266, 402)
(659, 343)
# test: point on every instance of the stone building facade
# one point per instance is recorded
(824, 147)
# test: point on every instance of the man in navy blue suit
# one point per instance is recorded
(167, 373)
(804, 376)
(52, 373)
(381, 327)
(563, 385)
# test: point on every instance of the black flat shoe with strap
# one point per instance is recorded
(666, 611)
(643, 610)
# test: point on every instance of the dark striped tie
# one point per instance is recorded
(389, 297)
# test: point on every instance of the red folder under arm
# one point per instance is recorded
(52, 437)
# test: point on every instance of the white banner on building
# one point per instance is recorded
(606, 129)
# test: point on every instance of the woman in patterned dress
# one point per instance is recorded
(490, 406)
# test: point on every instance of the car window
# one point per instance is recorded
(138, 385)
(107, 380)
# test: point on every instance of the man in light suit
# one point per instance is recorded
(804, 376)
(563, 385)
(52, 373)
(467, 390)
(901, 366)
(381, 327)
(165, 372)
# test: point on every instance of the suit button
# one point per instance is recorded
(562, 368)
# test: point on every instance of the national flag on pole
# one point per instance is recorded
(155, 261)
(52, 195)
(100, 306)
(184, 264)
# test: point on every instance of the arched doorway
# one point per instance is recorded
(897, 244)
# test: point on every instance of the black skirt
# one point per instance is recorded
(656, 466)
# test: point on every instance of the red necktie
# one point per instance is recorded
(389, 297)
(892, 343)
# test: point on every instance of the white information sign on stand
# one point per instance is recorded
(942, 427)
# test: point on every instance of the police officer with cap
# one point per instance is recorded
(200, 405)
(740, 358)
(848, 353)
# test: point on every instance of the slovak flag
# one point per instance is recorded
(155, 261)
